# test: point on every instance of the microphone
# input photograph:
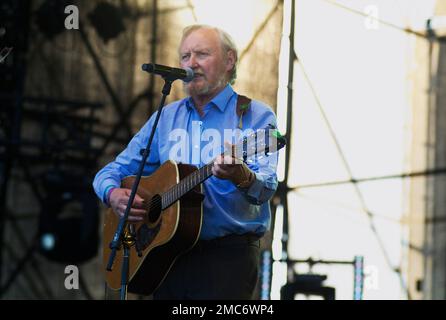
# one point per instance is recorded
(169, 73)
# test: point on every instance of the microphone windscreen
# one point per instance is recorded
(190, 74)
(147, 67)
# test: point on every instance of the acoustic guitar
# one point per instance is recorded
(173, 200)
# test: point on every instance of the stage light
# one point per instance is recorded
(47, 241)
(107, 20)
(69, 221)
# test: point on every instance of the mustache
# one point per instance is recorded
(198, 73)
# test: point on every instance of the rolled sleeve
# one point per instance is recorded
(105, 186)
(265, 183)
(262, 189)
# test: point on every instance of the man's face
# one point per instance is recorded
(202, 52)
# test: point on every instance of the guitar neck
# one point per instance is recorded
(262, 142)
(184, 186)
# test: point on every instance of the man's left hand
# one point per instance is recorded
(233, 169)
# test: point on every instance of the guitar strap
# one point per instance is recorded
(243, 106)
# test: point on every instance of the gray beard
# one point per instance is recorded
(206, 89)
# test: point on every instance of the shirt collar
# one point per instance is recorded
(220, 100)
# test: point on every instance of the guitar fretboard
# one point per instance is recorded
(185, 185)
(262, 142)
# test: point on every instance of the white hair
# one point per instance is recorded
(227, 44)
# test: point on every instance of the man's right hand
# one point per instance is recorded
(119, 197)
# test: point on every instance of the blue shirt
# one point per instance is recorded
(226, 208)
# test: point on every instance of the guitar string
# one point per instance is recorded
(173, 192)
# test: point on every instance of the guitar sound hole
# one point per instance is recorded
(155, 208)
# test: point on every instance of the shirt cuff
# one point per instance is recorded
(255, 189)
(108, 184)
(107, 193)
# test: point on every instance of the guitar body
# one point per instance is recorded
(161, 239)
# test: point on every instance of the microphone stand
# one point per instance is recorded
(127, 238)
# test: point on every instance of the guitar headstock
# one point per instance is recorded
(259, 144)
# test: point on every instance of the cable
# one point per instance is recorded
(259, 30)
(192, 9)
(354, 182)
(388, 24)
(435, 171)
(334, 204)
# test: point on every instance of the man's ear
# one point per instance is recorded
(230, 60)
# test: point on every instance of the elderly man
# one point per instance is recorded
(225, 261)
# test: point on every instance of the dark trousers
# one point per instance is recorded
(222, 269)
